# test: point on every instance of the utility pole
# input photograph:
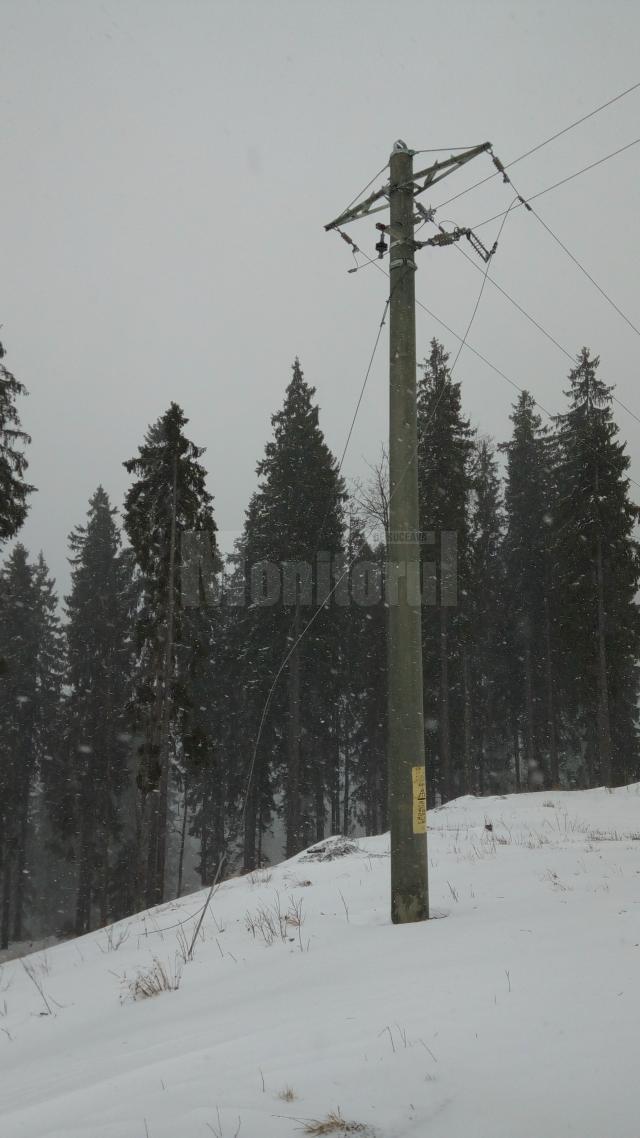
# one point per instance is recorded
(405, 746)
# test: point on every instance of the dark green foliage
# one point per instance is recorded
(87, 784)
(445, 448)
(14, 491)
(484, 630)
(363, 688)
(597, 568)
(30, 644)
(531, 599)
(167, 503)
(295, 515)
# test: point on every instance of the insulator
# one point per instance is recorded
(381, 247)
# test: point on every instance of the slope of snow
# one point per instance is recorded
(516, 1015)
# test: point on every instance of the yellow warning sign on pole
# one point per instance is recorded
(419, 800)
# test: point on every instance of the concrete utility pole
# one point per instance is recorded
(405, 748)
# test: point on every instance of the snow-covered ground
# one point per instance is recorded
(516, 1015)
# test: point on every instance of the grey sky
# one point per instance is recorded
(167, 168)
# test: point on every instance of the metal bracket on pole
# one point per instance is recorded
(431, 174)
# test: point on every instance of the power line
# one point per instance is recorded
(536, 323)
(587, 274)
(485, 277)
(545, 142)
(496, 369)
(365, 381)
(365, 188)
(562, 182)
(571, 255)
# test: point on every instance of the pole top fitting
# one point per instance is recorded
(399, 145)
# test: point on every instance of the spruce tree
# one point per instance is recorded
(30, 643)
(484, 668)
(296, 514)
(445, 446)
(597, 564)
(94, 769)
(167, 500)
(364, 687)
(14, 491)
(530, 596)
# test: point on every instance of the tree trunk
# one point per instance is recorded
(346, 804)
(554, 768)
(445, 733)
(335, 781)
(250, 820)
(466, 684)
(319, 804)
(604, 727)
(183, 835)
(480, 754)
(516, 750)
(532, 772)
(21, 864)
(293, 744)
(83, 895)
(159, 828)
(105, 907)
(218, 829)
(5, 914)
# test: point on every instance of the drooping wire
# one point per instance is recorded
(320, 608)
(463, 342)
(202, 911)
(383, 321)
(536, 323)
(568, 252)
(485, 276)
(497, 370)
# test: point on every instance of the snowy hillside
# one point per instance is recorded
(516, 1015)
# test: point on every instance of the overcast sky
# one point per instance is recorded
(167, 169)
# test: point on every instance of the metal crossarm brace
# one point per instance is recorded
(432, 175)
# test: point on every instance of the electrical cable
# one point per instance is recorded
(562, 182)
(321, 607)
(545, 142)
(497, 370)
(582, 269)
(482, 286)
(202, 911)
(538, 325)
(587, 274)
(365, 188)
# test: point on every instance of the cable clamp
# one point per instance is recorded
(402, 261)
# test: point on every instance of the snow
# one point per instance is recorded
(514, 1016)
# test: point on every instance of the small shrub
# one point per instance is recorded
(287, 1095)
(35, 974)
(156, 979)
(114, 936)
(334, 1123)
(275, 923)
